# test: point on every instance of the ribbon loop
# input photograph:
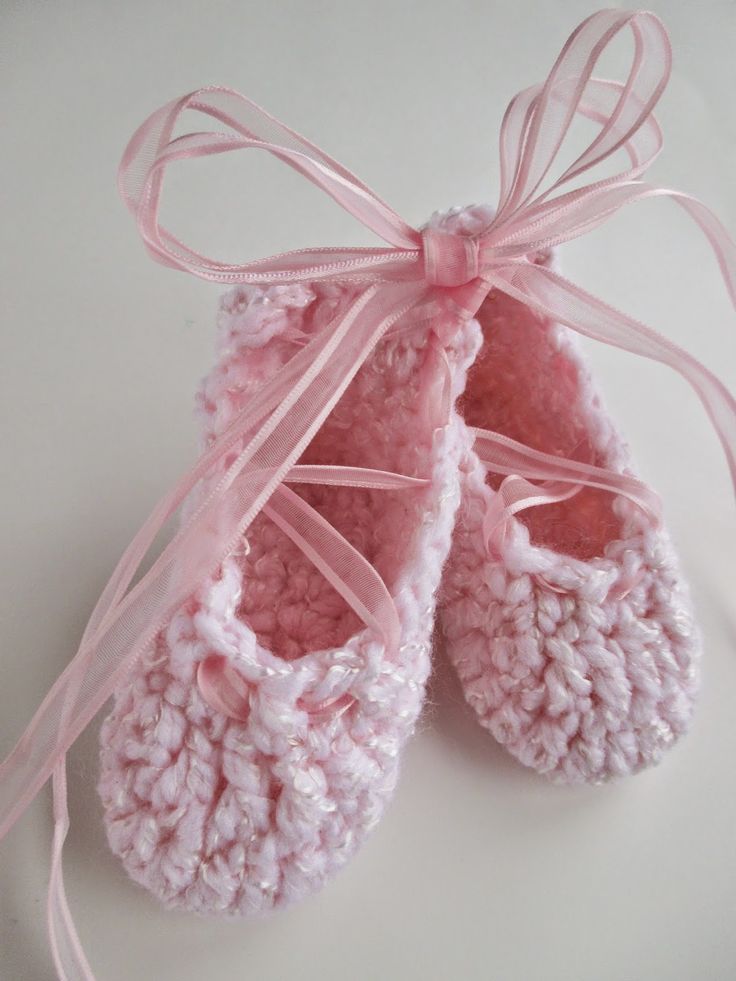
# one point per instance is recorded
(538, 120)
(152, 148)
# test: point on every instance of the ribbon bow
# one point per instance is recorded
(421, 275)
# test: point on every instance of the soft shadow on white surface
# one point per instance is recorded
(480, 869)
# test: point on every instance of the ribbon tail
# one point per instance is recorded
(556, 298)
(258, 408)
(66, 948)
(215, 529)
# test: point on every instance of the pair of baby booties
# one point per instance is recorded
(571, 632)
(443, 460)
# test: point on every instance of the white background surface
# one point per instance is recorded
(480, 869)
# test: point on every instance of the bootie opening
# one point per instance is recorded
(524, 386)
(285, 599)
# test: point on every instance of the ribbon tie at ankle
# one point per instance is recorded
(450, 259)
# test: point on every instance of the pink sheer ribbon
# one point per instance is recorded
(419, 274)
(533, 478)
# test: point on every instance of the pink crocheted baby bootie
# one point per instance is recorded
(571, 629)
(258, 742)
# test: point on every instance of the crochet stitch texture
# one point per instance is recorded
(213, 814)
(574, 639)
(574, 644)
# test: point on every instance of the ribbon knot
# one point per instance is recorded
(450, 258)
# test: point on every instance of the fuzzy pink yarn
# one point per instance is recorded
(575, 645)
(216, 815)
